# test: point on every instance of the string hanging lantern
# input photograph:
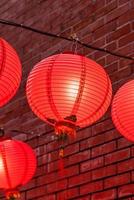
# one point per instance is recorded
(123, 110)
(17, 166)
(10, 72)
(68, 91)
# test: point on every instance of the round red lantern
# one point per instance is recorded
(123, 110)
(68, 90)
(10, 72)
(17, 166)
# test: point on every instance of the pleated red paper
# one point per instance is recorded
(10, 72)
(66, 85)
(17, 164)
(123, 110)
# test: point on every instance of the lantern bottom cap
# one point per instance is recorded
(12, 194)
(65, 128)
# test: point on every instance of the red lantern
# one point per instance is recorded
(68, 90)
(123, 110)
(10, 72)
(17, 165)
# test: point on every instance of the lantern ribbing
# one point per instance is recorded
(17, 166)
(68, 89)
(123, 110)
(10, 72)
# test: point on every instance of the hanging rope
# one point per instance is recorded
(10, 23)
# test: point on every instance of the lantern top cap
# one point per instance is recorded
(71, 52)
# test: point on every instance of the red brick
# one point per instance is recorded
(121, 31)
(40, 169)
(44, 139)
(132, 151)
(126, 17)
(77, 158)
(122, 2)
(111, 135)
(91, 187)
(52, 156)
(117, 156)
(93, 141)
(99, 42)
(36, 192)
(117, 12)
(126, 39)
(126, 165)
(112, 67)
(48, 197)
(87, 197)
(30, 185)
(123, 142)
(98, 55)
(68, 194)
(107, 28)
(52, 146)
(70, 171)
(132, 3)
(133, 176)
(40, 150)
(80, 179)
(106, 9)
(52, 177)
(56, 186)
(121, 74)
(112, 46)
(91, 164)
(126, 50)
(99, 139)
(73, 192)
(96, 24)
(47, 178)
(101, 127)
(111, 59)
(103, 172)
(108, 194)
(126, 190)
(84, 133)
(71, 149)
(103, 149)
(102, 61)
(53, 166)
(117, 180)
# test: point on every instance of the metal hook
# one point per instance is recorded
(75, 40)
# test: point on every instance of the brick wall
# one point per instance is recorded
(99, 163)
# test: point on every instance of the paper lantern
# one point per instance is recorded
(10, 72)
(123, 110)
(68, 90)
(17, 165)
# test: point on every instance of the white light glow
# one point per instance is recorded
(72, 88)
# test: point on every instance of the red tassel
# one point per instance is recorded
(61, 167)
(61, 161)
